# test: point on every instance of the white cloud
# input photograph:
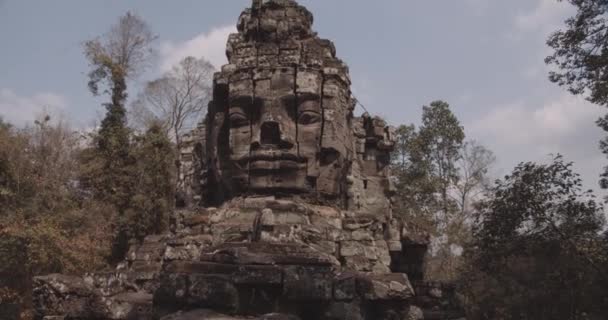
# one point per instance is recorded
(546, 17)
(20, 110)
(564, 124)
(518, 123)
(211, 46)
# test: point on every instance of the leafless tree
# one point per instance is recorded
(177, 99)
(474, 164)
(123, 52)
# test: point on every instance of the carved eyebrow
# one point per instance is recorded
(290, 99)
(241, 100)
(310, 103)
(303, 97)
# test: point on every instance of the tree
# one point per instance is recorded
(581, 59)
(581, 51)
(440, 139)
(176, 100)
(426, 165)
(425, 160)
(120, 54)
(45, 225)
(110, 165)
(536, 250)
(474, 163)
(150, 206)
(415, 198)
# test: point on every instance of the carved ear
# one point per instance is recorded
(217, 123)
(332, 168)
(216, 118)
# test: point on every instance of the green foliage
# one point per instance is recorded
(581, 51)
(120, 54)
(581, 59)
(49, 222)
(426, 166)
(117, 169)
(45, 225)
(536, 251)
(150, 206)
(415, 192)
(37, 167)
(425, 162)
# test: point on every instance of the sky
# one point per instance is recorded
(484, 57)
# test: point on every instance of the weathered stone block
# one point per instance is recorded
(212, 291)
(67, 296)
(172, 291)
(351, 249)
(344, 310)
(394, 286)
(199, 315)
(278, 316)
(345, 286)
(358, 263)
(306, 283)
(258, 275)
(265, 254)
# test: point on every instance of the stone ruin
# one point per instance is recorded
(288, 202)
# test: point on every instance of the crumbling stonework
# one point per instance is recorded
(289, 200)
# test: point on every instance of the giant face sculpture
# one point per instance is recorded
(281, 118)
(275, 132)
(283, 129)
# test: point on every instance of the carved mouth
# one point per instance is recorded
(264, 161)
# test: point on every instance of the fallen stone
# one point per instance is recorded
(394, 286)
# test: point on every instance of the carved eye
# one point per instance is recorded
(238, 120)
(309, 117)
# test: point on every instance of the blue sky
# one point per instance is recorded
(485, 57)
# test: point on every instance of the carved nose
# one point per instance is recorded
(270, 136)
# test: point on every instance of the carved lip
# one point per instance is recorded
(272, 156)
(264, 161)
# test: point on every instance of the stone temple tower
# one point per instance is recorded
(281, 121)
(295, 218)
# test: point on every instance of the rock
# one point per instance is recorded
(344, 310)
(196, 220)
(278, 316)
(436, 293)
(133, 305)
(173, 290)
(362, 235)
(351, 248)
(265, 254)
(414, 313)
(395, 286)
(308, 283)
(72, 297)
(199, 315)
(345, 286)
(213, 291)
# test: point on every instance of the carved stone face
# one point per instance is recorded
(275, 132)
(281, 120)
